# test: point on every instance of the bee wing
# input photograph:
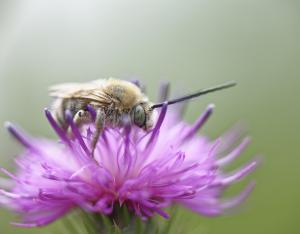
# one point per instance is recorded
(92, 91)
(65, 90)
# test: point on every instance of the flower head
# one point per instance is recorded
(145, 171)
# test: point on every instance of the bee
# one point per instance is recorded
(113, 100)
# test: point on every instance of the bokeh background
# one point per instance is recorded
(193, 44)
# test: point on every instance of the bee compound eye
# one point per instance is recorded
(139, 116)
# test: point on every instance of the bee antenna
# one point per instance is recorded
(197, 94)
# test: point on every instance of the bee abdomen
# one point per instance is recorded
(60, 106)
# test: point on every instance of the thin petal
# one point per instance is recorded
(19, 135)
(200, 122)
(230, 203)
(234, 153)
(60, 132)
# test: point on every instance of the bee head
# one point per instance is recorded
(141, 116)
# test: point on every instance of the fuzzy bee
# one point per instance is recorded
(113, 100)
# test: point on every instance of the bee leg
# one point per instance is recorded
(80, 118)
(99, 122)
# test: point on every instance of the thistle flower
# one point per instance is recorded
(144, 171)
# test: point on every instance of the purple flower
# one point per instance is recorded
(145, 171)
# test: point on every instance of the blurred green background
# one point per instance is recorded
(193, 44)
